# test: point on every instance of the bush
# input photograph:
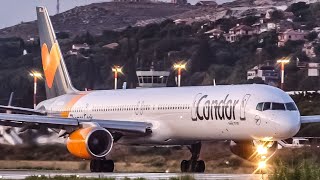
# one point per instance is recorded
(312, 36)
(188, 177)
(305, 170)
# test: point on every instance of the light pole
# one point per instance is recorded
(116, 70)
(283, 61)
(35, 76)
(179, 67)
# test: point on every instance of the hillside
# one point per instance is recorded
(97, 17)
(100, 16)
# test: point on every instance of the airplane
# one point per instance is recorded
(253, 117)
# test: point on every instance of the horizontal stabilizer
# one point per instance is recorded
(310, 119)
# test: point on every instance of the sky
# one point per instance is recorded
(13, 12)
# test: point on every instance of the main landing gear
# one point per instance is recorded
(193, 165)
(99, 165)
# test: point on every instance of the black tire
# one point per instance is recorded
(92, 166)
(107, 166)
(184, 166)
(200, 166)
(95, 165)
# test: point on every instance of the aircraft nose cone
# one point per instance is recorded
(288, 126)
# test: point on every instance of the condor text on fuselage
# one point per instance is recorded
(207, 108)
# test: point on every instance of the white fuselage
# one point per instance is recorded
(185, 114)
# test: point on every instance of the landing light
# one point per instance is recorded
(262, 165)
(261, 150)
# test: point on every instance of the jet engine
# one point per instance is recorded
(253, 150)
(90, 143)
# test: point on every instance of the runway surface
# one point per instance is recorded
(18, 174)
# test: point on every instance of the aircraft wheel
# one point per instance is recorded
(107, 166)
(185, 166)
(95, 165)
(98, 165)
(200, 166)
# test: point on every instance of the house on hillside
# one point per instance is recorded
(242, 30)
(269, 74)
(264, 27)
(283, 25)
(238, 31)
(215, 33)
(77, 47)
(292, 35)
(308, 48)
(207, 3)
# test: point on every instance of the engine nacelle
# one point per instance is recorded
(90, 143)
(251, 150)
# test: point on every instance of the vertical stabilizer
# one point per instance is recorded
(56, 75)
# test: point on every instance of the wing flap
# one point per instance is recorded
(310, 119)
(20, 120)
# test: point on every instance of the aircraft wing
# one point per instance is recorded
(22, 110)
(310, 119)
(35, 121)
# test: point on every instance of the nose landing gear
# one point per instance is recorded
(193, 165)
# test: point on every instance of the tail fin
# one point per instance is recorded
(56, 75)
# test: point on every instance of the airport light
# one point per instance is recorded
(179, 67)
(35, 75)
(283, 61)
(262, 165)
(116, 70)
(261, 150)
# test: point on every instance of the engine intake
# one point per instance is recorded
(90, 143)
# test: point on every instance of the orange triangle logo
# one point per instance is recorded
(50, 62)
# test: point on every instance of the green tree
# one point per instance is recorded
(202, 58)
(312, 36)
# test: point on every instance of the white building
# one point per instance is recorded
(80, 46)
(267, 73)
(215, 33)
(267, 27)
(238, 31)
(149, 79)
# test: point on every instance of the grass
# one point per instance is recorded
(305, 170)
(75, 178)
(187, 177)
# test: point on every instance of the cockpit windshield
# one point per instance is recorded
(263, 106)
(278, 106)
(291, 106)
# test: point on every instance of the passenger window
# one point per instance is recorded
(291, 107)
(278, 106)
(266, 106)
(259, 106)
